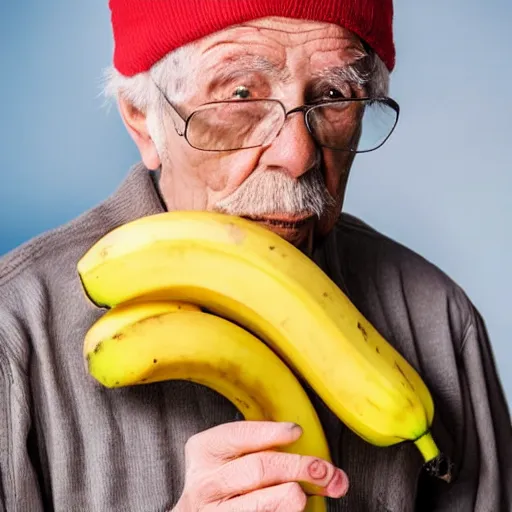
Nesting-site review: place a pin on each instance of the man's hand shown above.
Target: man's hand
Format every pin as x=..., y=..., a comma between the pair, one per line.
x=233, y=468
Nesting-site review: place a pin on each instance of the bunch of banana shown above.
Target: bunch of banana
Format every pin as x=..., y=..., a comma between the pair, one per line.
x=245, y=273
x=141, y=342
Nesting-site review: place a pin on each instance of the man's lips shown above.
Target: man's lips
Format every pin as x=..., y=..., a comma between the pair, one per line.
x=281, y=221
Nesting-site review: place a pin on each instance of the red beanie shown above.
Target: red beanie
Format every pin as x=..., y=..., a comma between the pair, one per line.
x=146, y=30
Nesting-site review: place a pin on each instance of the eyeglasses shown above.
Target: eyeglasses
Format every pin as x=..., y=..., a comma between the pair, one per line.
x=356, y=125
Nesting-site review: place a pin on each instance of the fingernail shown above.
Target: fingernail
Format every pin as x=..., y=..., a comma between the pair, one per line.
x=294, y=426
x=338, y=486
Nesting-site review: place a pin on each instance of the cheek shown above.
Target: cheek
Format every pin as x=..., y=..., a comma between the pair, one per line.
x=232, y=169
x=337, y=166
x=219, y=173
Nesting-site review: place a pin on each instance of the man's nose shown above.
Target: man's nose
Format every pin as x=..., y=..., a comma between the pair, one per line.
x=293, y=151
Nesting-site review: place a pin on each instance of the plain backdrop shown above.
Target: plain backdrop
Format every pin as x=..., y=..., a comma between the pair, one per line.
x=441, y=185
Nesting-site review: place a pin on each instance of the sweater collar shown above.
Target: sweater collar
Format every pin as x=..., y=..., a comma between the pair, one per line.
x=136, y=197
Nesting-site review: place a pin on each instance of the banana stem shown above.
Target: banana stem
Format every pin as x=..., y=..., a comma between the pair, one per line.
x=427, y=446
x=316, y=504
x=437, y=464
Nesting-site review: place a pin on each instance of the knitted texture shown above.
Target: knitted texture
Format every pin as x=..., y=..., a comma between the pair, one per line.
x=146, y=30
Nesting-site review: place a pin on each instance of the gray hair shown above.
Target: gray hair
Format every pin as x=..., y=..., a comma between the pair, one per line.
x=175, y=72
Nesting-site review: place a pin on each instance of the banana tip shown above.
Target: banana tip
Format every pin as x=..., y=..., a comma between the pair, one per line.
x=440, y=467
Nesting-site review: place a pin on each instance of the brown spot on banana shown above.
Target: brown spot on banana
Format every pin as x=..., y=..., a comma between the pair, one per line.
x=363, y=331
x=104, y=253
x=373, y=404
x=241, y=402
x=397, y=366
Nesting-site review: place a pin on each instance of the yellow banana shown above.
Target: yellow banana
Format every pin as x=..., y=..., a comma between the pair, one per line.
x=129, y=313
x=141, y=343
x=243, y=272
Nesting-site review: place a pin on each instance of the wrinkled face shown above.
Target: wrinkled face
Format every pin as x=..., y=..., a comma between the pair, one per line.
x=291, y=184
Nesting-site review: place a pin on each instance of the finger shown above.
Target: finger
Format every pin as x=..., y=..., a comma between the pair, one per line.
x=230, y=440
x=288, y=497
x=270, y=468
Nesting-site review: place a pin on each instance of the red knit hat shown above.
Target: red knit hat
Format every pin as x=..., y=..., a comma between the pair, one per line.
x=146, y=30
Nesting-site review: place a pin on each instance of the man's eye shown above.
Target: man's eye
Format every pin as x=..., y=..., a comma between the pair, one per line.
x=241, y=92
x=334, y=94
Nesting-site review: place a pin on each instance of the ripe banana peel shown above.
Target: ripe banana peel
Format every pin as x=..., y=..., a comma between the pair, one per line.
x=247, y=274
x=143, y=342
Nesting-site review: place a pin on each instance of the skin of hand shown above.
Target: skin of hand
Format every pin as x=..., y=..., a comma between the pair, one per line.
x=235, y=467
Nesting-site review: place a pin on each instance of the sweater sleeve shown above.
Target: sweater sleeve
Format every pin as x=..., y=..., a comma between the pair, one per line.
x=19, y=488
x=483, y=444
x=489, y=429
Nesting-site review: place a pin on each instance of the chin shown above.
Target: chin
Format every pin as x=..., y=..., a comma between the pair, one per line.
x=298, y=237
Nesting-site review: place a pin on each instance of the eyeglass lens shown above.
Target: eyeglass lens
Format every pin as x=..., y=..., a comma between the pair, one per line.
x=350, y=126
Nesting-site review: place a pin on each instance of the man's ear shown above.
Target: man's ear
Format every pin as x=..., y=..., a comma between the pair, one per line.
x=135, y=122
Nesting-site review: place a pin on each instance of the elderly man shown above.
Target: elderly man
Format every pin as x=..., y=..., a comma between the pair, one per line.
x=254, y=108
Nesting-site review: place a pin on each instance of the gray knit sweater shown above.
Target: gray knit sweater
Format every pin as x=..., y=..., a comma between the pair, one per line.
x=67, y=444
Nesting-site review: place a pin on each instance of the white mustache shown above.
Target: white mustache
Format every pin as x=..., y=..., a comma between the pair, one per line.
x=272, y=192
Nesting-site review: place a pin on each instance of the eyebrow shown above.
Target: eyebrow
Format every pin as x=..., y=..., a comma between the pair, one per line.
x=234, y=65
x=351, y=73
x=238, y=64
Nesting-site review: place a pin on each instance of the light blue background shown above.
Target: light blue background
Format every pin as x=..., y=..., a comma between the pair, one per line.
x=441, y=185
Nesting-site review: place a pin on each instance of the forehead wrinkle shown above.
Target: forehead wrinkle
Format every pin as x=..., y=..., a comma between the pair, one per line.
x=301, y=31
x=346, y=54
